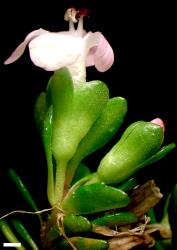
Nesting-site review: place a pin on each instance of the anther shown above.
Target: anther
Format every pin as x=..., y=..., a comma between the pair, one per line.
x=82, y=13
x=70, y=15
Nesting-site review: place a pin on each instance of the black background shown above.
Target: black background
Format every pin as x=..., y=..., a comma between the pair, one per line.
x=143, y=39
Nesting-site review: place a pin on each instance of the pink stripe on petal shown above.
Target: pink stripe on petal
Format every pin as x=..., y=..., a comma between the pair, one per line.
x=21, y=48
x=159, y=122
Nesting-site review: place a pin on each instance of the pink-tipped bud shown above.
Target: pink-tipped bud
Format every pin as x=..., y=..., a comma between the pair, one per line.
x=159, y=122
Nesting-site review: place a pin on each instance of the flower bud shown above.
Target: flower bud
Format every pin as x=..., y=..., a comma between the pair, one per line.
x=139, y=142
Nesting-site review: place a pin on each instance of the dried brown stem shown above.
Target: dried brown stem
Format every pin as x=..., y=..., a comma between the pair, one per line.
x=128, y=242
x=138, y=237
x=143, y=198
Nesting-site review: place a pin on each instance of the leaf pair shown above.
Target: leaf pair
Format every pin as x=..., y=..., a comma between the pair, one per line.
x=75, y=122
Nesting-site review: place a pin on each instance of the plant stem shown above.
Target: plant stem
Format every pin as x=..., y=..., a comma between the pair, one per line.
x=59, y=181
x=71, y=169
x=50, y=180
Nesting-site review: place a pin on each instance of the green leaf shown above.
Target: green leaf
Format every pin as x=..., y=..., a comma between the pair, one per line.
x=129, y=184
x=81, y=172
x=76, y=224
x=60, y=93
x=87, y=104
x=159, y=155
x=94, y=198
x=40, y=109
x=105, y=126
x=159, y=246
x=100, y=133
x=22, y=188
x=60, y=96
x=82, y=243
x=24, y=234
x=139, y=142
x=117, y=219
x=172, y=213
x=10, y=236
x=152, y=215
x=47, y=140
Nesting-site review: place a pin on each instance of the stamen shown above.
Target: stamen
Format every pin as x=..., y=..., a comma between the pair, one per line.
x=82, y=12
x=70, y=16
x=80, y=26
x=80, y=15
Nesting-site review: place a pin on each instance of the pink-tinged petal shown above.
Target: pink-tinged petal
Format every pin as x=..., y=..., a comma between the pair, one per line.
x=52, y=51
x=159, y=122
x=91, y=44
x=104, y=56
x=90, y=57
x=21, y=48
x=100, y=54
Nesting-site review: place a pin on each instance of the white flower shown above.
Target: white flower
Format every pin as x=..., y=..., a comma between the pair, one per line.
x=74, y=49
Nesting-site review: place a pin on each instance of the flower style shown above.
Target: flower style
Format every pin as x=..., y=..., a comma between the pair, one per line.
x=75, y=49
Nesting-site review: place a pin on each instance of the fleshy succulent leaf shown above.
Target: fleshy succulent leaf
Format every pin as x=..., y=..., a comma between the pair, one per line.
x=82, y=243
x=94, y=198
x=74, y=224
x=139, y=142
x=47, y=140
x=100, y=133
x=117, y=219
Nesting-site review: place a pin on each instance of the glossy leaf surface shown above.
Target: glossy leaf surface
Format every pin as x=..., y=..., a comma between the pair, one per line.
x=94, y=198
x=100, y=133
x=82, y=243
x=117, y=219
x=76, y=224
x=140, y=141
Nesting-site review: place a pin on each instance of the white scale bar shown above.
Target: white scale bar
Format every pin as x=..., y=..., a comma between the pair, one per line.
x=18, y=244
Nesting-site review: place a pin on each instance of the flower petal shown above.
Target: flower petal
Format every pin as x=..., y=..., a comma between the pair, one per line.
x=104, y=56
x=100, y=52
x=159, y=122
x=52, y=51
x=21, y=48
